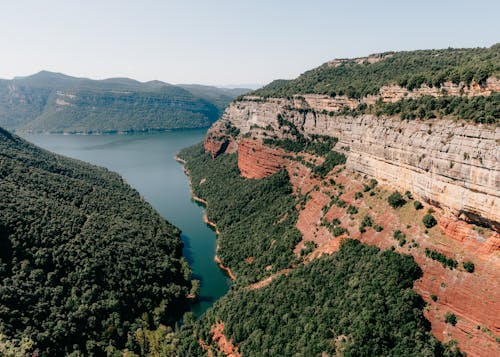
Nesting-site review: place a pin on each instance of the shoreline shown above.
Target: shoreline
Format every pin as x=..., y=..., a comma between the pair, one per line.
x=205, y=218
x=21, y=132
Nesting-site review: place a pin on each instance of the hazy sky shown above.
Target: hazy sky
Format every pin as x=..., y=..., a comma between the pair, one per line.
x=226, y=41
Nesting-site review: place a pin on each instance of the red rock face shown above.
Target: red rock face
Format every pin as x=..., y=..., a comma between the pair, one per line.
x=258, y=161
x=215, y=146
x=225, y=345
x=473, y=298
x=218, y=142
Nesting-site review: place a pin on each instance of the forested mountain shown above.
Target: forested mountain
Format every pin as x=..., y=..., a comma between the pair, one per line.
x=246, y=212
x=356, y=302
x=358, y=77
x=221, y=97
x=335, y=198
x=84, y=261
x=55, y=102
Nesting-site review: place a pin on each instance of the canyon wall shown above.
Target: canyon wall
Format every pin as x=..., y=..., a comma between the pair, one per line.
x=451, y=164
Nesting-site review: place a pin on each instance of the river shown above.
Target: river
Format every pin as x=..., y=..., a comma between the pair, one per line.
x=147, y=162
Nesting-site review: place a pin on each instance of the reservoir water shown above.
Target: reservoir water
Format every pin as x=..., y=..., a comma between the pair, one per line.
x=147, y=162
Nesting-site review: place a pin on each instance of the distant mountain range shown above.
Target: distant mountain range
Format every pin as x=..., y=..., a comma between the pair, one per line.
x=54, y=102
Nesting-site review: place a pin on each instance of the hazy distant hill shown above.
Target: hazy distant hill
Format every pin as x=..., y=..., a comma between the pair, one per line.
x=54, y=102
x=221, y=97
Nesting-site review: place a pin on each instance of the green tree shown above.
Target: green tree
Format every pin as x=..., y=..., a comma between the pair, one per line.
x=396, y=200
x=429, y=220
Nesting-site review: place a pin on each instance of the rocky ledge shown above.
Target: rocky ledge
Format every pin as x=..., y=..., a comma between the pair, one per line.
x=448, y=164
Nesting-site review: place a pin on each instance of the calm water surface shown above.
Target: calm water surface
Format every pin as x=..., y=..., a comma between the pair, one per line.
x=147, y=162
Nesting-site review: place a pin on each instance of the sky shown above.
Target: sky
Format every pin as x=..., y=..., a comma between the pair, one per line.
x=226, y=42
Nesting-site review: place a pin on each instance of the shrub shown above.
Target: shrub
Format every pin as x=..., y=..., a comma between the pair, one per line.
x=337, y=231
x=308, y=248
x=400, y=236
x=396, y=200
x=341, y=203
x=378, y=228
x=332, y=159
x=409, y=195
x=373, y=183
x=418, y=205
x=352, y=210
x=440, y=257
x=469, y=266
x=429, y=220
x=434, y=297
x=367, y=221
x=358, y=195
x=450, y=318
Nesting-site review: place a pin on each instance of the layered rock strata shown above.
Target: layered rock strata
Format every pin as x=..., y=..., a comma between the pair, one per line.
x=452, y=164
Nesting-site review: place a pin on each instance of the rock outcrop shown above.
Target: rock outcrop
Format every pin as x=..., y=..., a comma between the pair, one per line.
x=256, y=160
x=450, y=165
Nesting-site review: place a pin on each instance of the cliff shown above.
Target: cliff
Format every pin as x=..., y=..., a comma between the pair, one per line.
x=425, y=123
x=451, y=165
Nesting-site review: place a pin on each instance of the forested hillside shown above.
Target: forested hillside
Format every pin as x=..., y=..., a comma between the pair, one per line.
x=58, y=103
x=246, y=213
x=357, y=78
x=84, y=261
x=356, y=302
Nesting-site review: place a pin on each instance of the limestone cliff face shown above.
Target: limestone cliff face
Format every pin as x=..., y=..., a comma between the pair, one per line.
x=451, y=164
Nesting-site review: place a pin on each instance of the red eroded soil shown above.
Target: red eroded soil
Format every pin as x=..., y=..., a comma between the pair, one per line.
x=473, y=297
x=225, y=345
x=257, y=161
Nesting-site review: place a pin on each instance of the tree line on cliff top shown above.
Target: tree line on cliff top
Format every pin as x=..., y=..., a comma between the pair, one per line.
x=84, y=261
x=408, y=69
x=480, y=109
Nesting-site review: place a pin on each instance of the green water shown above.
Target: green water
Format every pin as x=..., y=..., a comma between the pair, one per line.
x=147, y=162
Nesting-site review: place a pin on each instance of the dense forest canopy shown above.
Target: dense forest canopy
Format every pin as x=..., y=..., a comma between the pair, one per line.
x=356, y=302
x=55, y=102
x=410, y=69
x=84, y=261
x=480, y=109
x=246, y=212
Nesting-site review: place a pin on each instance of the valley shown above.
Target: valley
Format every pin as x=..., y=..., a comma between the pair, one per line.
x=440, y=171
x=356, y=210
